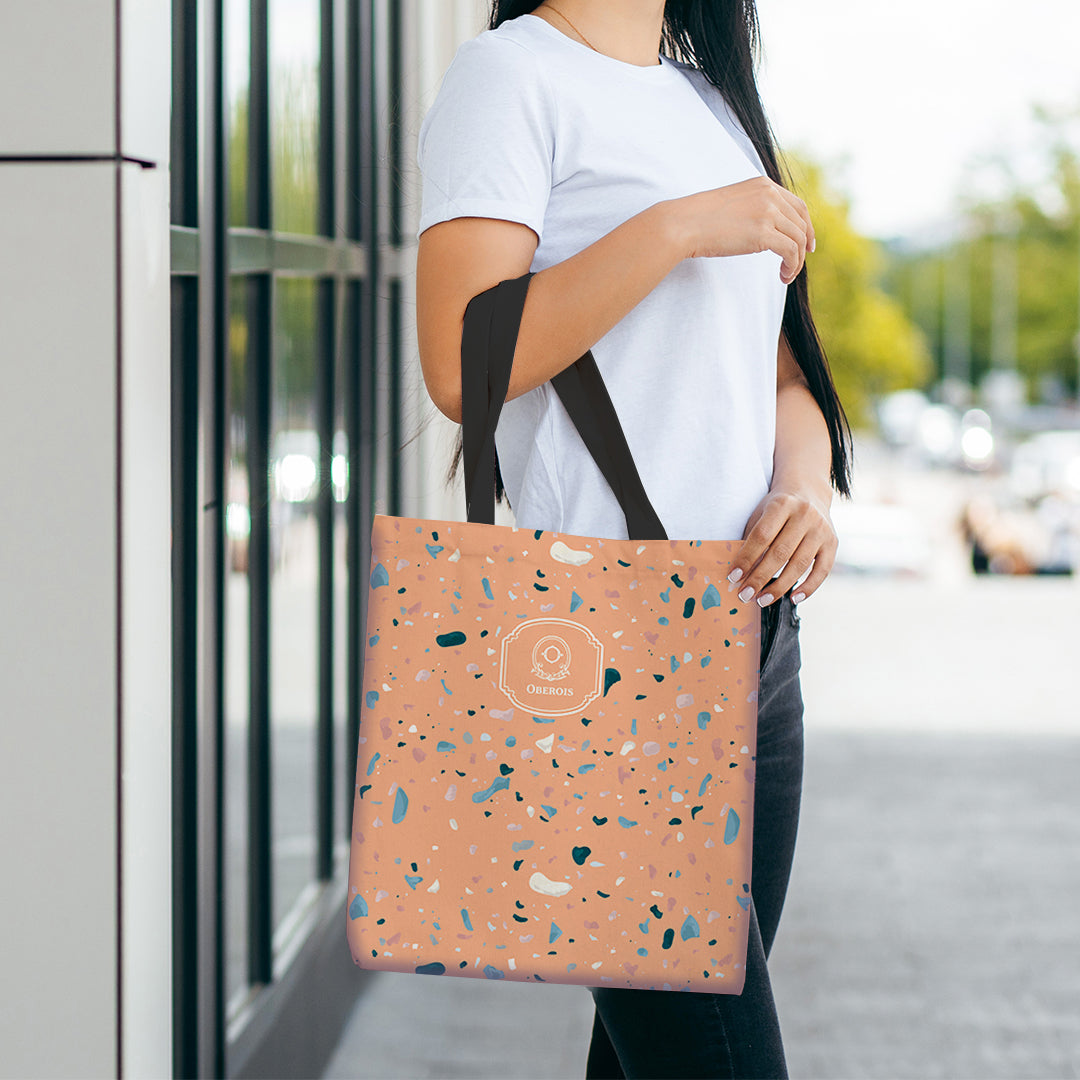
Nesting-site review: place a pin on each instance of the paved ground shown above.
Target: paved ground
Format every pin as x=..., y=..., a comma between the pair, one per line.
x=931, y=925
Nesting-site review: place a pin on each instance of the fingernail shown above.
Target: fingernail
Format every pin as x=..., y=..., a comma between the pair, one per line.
x=735, y=574
x=746, y=593
x=796, y=597
x=813, y=243
x=765, y=600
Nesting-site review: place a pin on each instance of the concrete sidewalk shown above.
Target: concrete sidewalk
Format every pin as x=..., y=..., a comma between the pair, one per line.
x=930, y=930
x=931, y=926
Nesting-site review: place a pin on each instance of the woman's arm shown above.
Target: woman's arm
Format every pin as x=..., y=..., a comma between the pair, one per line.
x=568, y=307
x=802, y=457
x=571, y=305
x=791, y=524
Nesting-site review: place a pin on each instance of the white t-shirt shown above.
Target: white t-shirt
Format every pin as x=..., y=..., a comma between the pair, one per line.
x=533, y=126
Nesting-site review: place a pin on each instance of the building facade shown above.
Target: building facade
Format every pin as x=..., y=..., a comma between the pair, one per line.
x=207, y=219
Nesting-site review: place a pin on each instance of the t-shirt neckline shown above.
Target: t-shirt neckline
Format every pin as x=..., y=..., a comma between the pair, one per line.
x=645, y=71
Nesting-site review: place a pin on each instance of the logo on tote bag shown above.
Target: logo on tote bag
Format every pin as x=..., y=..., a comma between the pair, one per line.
x=551, y=667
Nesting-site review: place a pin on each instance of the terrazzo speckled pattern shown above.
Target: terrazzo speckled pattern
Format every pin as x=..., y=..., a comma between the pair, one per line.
x=555, y=778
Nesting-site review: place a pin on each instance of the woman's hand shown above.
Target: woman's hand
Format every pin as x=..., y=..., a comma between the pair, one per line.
x=742, y=219
x=790, y=529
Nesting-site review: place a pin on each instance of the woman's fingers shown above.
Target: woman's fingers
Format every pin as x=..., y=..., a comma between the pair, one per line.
x=791, y=225
x=793, y=220
x=770, y=578
x=749, y=216
x=798, y=206
x=766, y=547
x=788, y=538
x=788, y=249
x=801, y=560
x=823, y=564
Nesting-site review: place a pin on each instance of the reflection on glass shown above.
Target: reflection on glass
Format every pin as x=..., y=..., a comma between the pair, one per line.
x=237, y=85
x=294, y=566
x=237, y=530
x=344, y=780
x=294, y=114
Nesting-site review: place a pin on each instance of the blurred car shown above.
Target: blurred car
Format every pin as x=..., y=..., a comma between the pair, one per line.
x=898, y=416
x=880, y=538
x=1046, y=462
x=939, y=434
x=1010, y=534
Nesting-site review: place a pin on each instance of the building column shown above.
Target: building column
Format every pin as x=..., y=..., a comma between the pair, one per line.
x=85, y=670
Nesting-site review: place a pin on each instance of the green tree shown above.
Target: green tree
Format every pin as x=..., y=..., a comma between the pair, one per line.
x=872, y=345
x=1034, y=229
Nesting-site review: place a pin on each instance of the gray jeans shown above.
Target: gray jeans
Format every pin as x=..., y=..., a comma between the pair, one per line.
x=662, y=1034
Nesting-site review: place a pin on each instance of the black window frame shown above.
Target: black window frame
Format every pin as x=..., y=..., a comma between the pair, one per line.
x=355, y=262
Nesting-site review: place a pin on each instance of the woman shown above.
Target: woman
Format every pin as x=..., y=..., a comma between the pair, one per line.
x=643, y=192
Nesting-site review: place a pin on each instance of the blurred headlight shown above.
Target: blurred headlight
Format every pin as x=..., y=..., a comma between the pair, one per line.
x=237, y=521
x=977, y=446
x=294, y=477
x=339, y=474
x=1072, y=474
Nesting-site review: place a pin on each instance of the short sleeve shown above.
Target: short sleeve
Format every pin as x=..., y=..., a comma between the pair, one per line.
x=486, y=144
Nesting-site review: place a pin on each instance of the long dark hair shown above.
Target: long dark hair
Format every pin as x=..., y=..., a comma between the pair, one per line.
x=722, y=39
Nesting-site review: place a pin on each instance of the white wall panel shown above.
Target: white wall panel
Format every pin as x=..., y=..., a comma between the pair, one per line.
x=58, y=76
x=85, y=439
x=146, y=622
x=145, y=79
x=58, y=642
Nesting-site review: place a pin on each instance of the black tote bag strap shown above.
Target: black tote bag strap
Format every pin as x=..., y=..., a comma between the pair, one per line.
x=584, y=395
x=488, y=340
x=489, y=337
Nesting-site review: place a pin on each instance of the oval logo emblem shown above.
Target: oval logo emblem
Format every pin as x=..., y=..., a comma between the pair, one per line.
x=551, y=667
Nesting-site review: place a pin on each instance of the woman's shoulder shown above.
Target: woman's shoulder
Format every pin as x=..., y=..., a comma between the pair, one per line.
x=486, y=145
x=506, y=48
x=492, y=67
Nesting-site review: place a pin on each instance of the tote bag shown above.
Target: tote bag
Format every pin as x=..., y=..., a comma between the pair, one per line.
x=555, y=772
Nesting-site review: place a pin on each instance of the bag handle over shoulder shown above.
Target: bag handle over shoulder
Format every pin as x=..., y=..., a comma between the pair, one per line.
x=489, y=337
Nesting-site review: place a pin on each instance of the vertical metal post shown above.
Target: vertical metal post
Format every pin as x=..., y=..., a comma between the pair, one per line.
x=395, y=90
x=184, y=327
x=393, y=393
x=361, y=340
x=260, y=312
x=958, y=324
x=1076, y=340
x=1004, y=303
x=213, y=308
x=326, y=305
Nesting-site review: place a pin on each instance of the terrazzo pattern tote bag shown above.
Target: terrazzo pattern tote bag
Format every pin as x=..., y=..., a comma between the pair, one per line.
x=555, y=777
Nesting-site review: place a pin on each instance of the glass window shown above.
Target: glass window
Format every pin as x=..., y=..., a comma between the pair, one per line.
x=294, y=114
x=344, y=779
x=266, y=454
x=236, y=648
x=237, y=87
x=294, y=579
